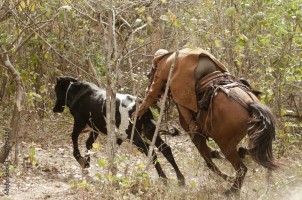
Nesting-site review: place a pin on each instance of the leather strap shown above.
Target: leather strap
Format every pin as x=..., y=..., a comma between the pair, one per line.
x=206, y=81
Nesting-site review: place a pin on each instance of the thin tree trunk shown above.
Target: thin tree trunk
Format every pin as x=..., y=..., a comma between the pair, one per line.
x=15, y=121
x=110, y=94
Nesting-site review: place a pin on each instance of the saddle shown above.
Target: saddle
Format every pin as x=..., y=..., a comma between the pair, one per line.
x=230, y=85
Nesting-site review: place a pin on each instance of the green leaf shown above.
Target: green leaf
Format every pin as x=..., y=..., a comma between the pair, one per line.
x=176, y=22
x=33, y=8
x=3, y=37
x=193, y=184
x=108, y=176
x=164, y=17
x=141, y=9
x=164, y=1
x=22, y=4
x=33, y=94
x=96, y=145
x=34, y=161
x=241, y=42
x=217, y=43
x=243, y=37
x=100, y=177
x=140, y=41
x=230, y=11
x=102, y=163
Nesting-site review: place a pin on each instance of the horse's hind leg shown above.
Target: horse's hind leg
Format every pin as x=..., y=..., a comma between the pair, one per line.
x=205, y=151
x=232, y=155
x=242, y=152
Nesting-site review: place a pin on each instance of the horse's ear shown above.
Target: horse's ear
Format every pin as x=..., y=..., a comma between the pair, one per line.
x=58, y=78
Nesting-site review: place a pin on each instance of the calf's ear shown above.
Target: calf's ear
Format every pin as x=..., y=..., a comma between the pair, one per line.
x=74, y=79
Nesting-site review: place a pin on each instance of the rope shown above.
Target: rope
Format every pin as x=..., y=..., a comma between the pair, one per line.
x=67, y=93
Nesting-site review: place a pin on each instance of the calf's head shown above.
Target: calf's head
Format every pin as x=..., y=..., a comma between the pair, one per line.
x=61, y=89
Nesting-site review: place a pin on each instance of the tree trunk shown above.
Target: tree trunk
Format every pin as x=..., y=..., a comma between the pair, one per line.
x=110, y=94
x=15, y=121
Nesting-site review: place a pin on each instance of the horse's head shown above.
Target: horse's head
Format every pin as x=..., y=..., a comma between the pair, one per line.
x=61, y=89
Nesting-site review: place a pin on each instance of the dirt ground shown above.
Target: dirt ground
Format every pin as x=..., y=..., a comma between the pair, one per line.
x=47, y=170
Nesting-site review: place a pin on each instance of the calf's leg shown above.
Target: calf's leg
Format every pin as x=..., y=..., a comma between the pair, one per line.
x=77, y=129
x=91, y=139
x=144, y=147
x=165, y=150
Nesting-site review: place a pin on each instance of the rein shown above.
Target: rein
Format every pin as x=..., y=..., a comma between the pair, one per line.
x=67, y=93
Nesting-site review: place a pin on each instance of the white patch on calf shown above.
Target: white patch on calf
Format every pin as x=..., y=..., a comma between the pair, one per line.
x=124, y=111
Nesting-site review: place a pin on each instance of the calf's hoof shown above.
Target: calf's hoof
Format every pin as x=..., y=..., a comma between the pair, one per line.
x=84, y=162
x=181, y=182
x=232, y=192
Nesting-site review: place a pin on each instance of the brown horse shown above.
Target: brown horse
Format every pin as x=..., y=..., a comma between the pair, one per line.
x=234, y=112
x=228, y=111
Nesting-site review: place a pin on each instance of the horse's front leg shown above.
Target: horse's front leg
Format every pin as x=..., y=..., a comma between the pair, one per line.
x=77, y=129
x=205, y=151
x=185, y=126
x=89, y=143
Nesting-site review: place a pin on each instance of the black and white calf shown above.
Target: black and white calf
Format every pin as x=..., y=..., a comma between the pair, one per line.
x=87, y=104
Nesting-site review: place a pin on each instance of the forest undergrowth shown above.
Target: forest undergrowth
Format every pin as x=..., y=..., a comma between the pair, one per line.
x=46, y=169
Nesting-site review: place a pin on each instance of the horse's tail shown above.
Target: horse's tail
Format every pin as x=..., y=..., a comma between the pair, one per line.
x=261, y=133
